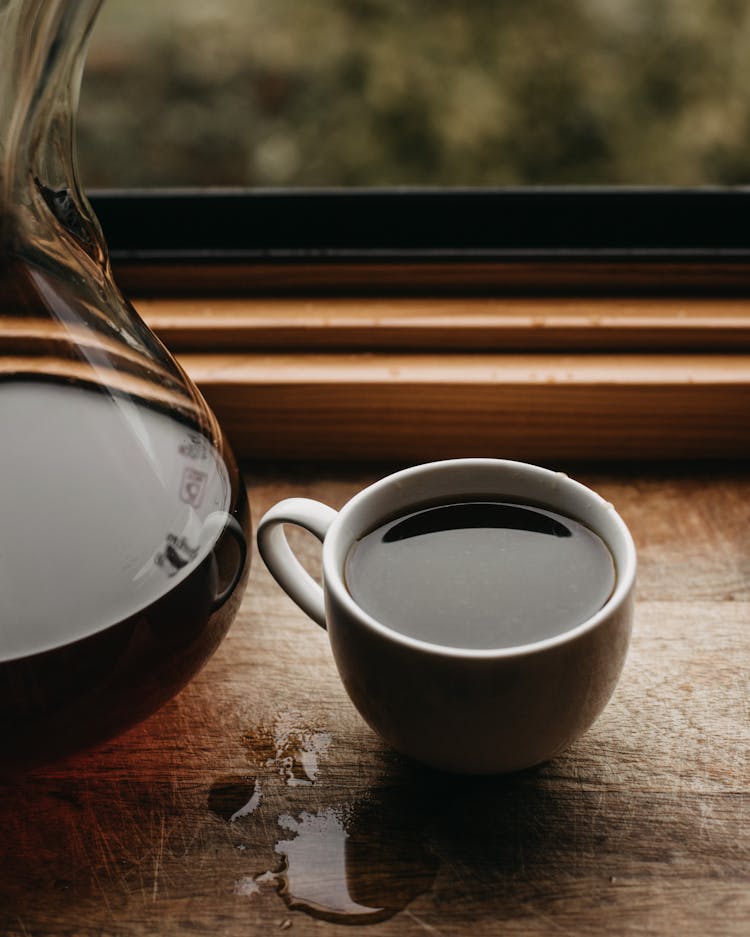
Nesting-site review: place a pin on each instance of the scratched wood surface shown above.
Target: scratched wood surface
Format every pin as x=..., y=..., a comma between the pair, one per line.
x=258, y=802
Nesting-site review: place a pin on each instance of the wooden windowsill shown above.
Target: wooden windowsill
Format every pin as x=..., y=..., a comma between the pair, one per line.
x=450, y=324
x=415, y=378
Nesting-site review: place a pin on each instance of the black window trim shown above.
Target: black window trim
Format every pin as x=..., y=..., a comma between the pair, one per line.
x=427, y=225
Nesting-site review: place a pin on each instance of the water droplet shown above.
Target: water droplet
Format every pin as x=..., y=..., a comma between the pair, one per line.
x=234, y=798
x=250, y=807
x=246, y=886
x=297, y=751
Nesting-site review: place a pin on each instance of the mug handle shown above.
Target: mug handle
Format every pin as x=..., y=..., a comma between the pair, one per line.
x=278, y=556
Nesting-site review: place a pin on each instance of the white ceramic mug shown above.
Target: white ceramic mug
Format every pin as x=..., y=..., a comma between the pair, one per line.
x=464, y=710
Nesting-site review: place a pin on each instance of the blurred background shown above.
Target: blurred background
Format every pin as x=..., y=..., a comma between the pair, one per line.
x=417, y=92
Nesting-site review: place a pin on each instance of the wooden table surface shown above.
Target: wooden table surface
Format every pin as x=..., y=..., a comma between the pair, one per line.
x=257, y=801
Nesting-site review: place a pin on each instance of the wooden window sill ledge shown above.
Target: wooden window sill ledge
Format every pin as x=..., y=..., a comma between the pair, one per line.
x=409, y=378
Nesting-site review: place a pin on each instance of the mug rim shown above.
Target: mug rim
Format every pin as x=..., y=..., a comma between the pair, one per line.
x=333, y=580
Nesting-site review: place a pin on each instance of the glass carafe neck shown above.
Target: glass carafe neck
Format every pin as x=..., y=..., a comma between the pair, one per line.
x=42, y=52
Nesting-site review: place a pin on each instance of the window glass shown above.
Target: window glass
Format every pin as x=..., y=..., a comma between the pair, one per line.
x=392, y=92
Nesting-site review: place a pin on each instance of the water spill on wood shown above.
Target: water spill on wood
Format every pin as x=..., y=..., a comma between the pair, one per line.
x=315, y=875
x=346, y=862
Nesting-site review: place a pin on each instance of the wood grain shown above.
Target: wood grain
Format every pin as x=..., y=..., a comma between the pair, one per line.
x=640, y=828
x=453, y=324
x=400, y=406
x=566, y=274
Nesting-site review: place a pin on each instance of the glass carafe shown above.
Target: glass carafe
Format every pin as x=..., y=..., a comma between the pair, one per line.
x=123, y=520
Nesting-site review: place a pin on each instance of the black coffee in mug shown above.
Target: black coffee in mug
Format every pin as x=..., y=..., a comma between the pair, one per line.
x=481, y=574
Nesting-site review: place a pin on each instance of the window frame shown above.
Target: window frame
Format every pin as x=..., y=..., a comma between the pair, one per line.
x=590, y=239
x=543, y=324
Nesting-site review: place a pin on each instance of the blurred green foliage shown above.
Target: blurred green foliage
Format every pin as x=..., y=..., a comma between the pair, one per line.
x=427, y=92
